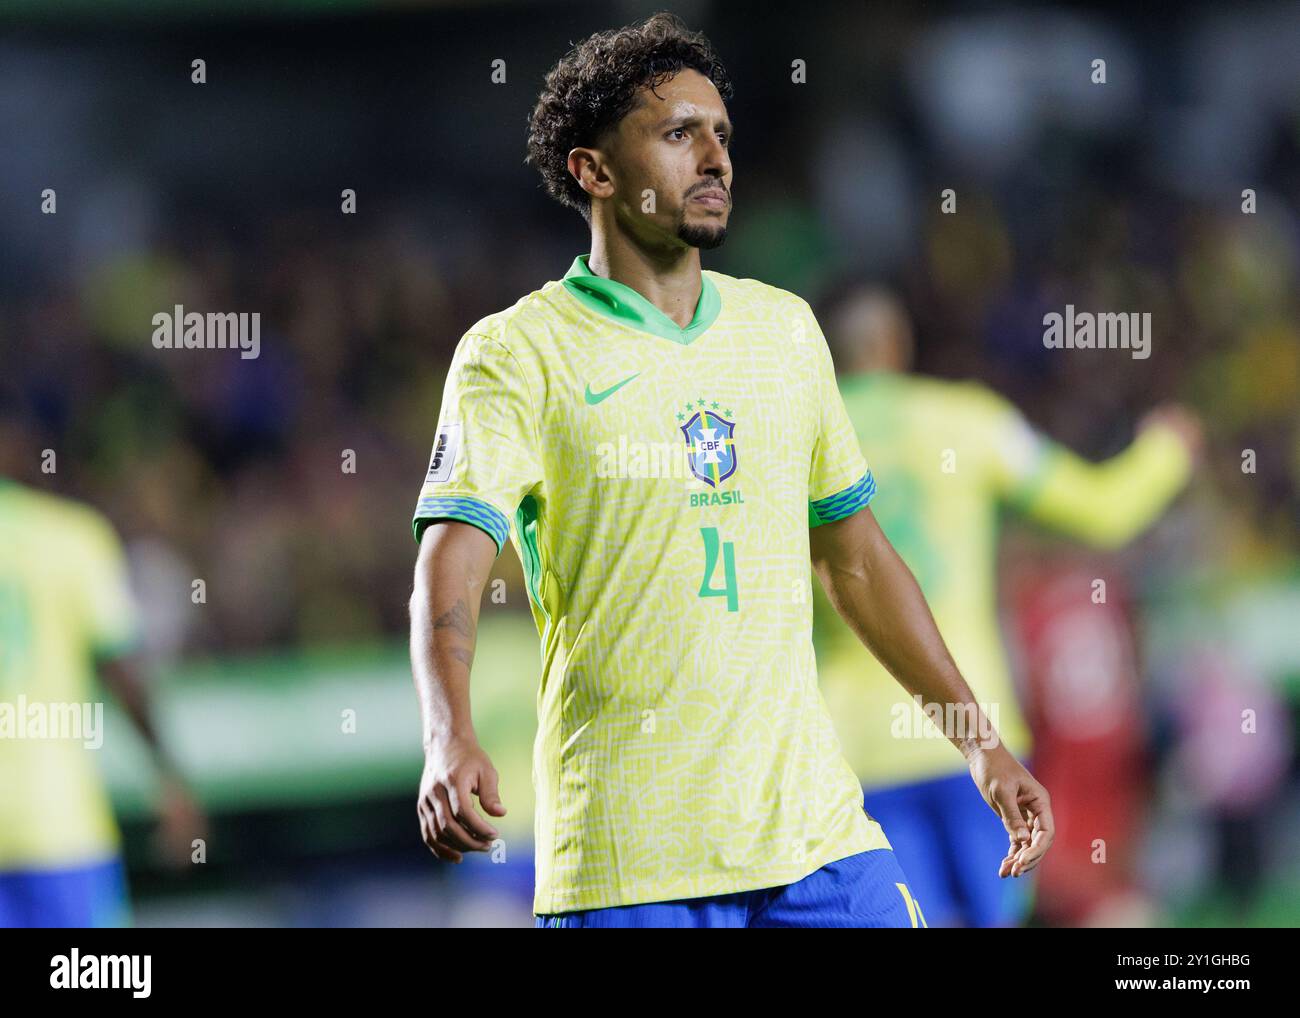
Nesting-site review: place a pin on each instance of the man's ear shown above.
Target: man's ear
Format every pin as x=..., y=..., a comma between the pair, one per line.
x=590, y=170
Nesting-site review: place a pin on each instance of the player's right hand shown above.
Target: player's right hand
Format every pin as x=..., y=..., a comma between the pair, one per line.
x=181, y=822
x=455, y=770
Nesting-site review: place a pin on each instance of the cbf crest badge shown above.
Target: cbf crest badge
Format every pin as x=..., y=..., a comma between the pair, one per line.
x=710, y=446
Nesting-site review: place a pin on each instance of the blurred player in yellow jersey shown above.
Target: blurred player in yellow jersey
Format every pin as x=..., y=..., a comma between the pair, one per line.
x=66, y=611
x=949, y=456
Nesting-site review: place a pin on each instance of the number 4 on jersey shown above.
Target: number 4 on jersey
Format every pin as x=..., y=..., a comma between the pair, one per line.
x=730, y=592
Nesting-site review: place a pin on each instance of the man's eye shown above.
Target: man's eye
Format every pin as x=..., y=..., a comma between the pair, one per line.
x=722, y=135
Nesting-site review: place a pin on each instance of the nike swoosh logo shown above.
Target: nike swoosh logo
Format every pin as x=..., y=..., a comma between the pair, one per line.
x=595, y=397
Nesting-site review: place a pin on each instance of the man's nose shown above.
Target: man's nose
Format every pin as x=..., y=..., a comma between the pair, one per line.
x=715, y=161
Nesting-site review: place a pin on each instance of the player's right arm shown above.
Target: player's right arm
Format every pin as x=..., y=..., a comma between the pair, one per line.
x=450, y=574
x=485, y=461
x=110, y=617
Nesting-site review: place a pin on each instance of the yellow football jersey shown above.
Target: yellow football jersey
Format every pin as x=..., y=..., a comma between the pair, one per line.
x=64, y=599
x=658, y=483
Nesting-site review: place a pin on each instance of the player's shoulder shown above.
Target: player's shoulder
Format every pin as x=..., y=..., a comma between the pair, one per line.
x=526, y=324
x=537, y=307
x=974, y=401
x=52, y=518
x=755, y=291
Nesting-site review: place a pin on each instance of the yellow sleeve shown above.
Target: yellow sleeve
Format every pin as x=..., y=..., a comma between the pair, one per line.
x=1107, y=504
x=1015, y=453
x=839, y=481
x=485, y=457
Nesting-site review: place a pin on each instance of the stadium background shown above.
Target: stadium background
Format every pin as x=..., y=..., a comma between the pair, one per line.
x=226, y=195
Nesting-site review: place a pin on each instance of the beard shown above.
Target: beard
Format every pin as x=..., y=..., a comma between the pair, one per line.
x=704, y=236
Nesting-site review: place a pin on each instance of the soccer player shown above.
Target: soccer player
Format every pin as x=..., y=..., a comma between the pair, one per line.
x=954, y=454
x=667, y=450
x=65, y=612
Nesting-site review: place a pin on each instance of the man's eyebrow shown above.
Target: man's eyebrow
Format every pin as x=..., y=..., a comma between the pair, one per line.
x=684, y=119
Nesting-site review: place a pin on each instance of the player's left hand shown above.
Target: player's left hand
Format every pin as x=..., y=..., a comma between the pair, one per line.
x=1021, y=802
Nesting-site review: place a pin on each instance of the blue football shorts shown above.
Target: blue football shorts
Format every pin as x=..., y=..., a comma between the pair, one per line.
x=863, y=890
x=84, y=897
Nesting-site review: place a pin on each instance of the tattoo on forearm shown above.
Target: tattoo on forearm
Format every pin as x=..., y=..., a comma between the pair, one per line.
x=457, y=618
x=463, y=655
x=459, y=621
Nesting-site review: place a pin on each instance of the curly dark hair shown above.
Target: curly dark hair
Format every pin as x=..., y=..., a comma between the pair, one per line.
x=594, y=86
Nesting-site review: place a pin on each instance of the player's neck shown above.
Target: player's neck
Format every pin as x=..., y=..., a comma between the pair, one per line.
x=671, y=282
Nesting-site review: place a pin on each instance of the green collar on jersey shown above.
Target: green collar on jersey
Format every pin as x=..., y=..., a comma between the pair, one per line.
x=623, y=304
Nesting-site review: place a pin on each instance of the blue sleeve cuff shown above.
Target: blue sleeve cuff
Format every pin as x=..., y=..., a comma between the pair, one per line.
x=467, y=510
x=843, y=503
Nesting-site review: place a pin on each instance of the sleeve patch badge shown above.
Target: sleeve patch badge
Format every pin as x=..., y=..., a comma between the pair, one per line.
x=445, y=447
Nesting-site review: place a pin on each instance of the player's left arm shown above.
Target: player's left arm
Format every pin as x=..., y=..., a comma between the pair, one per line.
x=878, y=597
x=875, y=592
x=1104, y=504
